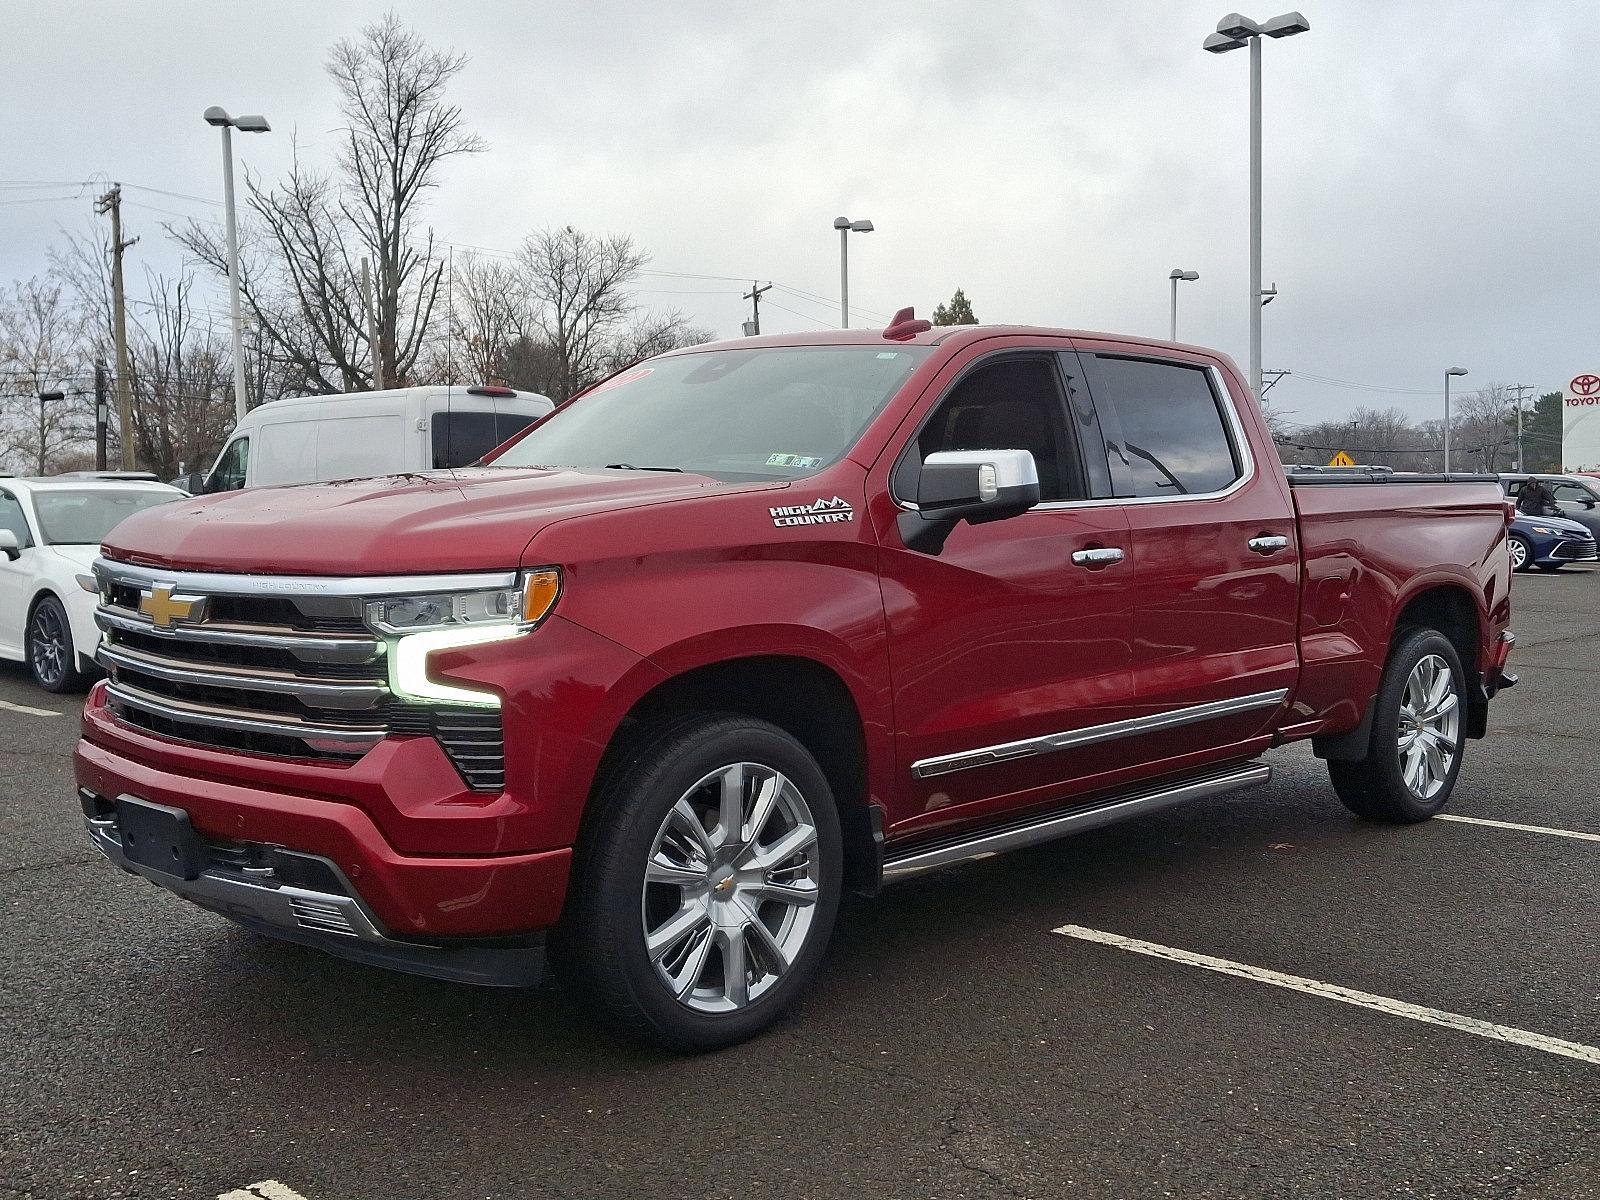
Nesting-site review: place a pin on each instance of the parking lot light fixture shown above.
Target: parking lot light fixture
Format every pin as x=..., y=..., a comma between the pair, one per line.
x=1177, y=274
x=255, y=123
x=1449, y=371
x=1234, y=32
x=846, y=227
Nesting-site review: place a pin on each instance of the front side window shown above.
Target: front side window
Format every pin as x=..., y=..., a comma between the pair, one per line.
x=12, y=518
x=1010, y=404
x=1572, y=493
x=231, y=468
x=777, y=412
x=83, y=518
x=1174, y=439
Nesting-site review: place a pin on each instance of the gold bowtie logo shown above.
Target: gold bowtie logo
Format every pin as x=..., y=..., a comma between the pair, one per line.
x=163, y=608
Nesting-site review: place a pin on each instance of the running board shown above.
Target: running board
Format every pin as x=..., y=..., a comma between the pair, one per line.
x=1048, y=826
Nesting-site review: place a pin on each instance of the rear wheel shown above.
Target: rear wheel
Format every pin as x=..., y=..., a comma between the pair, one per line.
x=51, y=655
x=1521, y=553
x=1414, y=755
x=709, y=887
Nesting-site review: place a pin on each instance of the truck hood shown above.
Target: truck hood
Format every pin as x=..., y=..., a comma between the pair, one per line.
x=469, y=520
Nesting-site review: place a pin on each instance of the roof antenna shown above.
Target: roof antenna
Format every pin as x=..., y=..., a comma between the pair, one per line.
x=904, y=326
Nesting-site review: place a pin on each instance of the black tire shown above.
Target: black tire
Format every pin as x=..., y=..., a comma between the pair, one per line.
x=1518, y=542
x=52, y=658
x=603, y=939
x=1375, y=786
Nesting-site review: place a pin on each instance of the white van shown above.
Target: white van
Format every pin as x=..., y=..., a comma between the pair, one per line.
x=314, y=439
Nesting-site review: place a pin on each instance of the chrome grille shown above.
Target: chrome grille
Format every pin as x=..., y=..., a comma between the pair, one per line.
x=272, y=665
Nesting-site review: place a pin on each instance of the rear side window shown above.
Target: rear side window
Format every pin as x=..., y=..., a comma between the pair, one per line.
x=462, y=438
x=1174, y=441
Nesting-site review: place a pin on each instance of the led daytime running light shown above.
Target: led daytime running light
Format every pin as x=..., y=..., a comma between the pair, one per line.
x=408, y=663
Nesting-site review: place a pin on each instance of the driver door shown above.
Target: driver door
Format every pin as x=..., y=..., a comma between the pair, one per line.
x=1009, y=635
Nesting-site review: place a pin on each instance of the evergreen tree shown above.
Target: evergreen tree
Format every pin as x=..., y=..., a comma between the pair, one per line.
x=957, y=312
x=1541, y=434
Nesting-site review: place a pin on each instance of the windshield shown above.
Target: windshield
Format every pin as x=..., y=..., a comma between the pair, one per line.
x=767, y=413
x=83, y=518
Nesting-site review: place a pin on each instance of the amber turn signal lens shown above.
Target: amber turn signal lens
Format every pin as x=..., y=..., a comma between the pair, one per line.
x=539, y=592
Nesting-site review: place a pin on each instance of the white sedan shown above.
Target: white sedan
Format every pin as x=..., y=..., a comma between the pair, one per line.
x=50, y=532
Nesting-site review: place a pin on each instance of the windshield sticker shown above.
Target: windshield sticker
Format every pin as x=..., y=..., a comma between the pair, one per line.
x=820, y=512
x=803, y=461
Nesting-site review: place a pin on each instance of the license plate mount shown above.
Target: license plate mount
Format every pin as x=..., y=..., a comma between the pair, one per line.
x=160, y=838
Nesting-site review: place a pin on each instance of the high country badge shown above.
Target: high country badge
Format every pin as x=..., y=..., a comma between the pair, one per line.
x=819, y=512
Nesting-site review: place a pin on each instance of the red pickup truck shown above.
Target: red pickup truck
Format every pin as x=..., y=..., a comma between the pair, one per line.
x=756, y=623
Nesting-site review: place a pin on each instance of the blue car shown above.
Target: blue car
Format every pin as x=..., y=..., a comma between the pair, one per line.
x=1549, y=543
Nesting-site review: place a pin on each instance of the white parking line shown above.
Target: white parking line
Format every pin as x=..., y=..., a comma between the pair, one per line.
x=267, y=1189
x=32, y=712
x=1331, y=991
x=1567, y=833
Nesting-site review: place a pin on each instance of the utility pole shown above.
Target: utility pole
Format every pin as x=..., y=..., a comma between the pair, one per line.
x=111, y=203
x=1519, y=388
x=752, y=327
x=368, y=303
x=100, y=416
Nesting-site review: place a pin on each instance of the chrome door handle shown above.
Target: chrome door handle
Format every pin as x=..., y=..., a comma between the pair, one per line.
x=1268, y=545
x=1100, y=556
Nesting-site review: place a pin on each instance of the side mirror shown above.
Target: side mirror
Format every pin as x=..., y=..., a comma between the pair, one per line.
x=194, y=482
x=9, y=546
x=976, y=486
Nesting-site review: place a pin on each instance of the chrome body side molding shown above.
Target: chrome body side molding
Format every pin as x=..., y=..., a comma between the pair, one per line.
x=1049, y=826
x=1092, y=735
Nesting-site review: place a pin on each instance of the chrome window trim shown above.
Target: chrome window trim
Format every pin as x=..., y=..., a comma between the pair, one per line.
x=213, y=583
x=1092, y=735
x=1232, y=425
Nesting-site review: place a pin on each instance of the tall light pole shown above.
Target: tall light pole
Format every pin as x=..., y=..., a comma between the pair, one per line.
x=254, y=124
x=1449, y=371
x=1234, y=32
x=846, y=227
x=1177, y=274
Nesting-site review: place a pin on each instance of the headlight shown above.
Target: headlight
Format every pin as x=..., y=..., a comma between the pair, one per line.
x=1541, y=529
x=416, y=626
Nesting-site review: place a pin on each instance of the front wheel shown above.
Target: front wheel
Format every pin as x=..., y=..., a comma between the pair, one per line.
x=1414, y=755
x=51, y=655
x=708, y=887
x=1521, y=553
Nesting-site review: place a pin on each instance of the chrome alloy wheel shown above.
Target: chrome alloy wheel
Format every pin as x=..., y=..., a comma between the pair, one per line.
x=731, y=887
x=47, y=645
x=1430, y=727
x=1519, y=554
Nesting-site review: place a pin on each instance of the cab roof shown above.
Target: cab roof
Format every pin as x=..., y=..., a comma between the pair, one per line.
x=953, y=336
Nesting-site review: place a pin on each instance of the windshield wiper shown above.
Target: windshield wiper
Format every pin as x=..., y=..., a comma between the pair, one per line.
x=631, y=467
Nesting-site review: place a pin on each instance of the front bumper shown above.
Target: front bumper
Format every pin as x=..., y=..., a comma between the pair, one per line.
x=306, y=898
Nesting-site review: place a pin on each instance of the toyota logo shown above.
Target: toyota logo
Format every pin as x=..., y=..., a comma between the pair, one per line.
x=1585, y=385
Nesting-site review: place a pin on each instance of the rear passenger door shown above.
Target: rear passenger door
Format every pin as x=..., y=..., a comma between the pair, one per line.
x=1216, y=591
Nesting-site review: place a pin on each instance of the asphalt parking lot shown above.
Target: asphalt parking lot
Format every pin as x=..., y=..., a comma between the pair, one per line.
x=955, y=1045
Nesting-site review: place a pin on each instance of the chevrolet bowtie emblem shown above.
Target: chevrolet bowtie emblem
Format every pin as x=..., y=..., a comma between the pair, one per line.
x=163, y=608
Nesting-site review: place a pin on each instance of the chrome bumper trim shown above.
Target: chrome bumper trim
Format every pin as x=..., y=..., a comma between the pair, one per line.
x=318, y=694
x=174, y=710
x=1093, y=735
x=282, y=907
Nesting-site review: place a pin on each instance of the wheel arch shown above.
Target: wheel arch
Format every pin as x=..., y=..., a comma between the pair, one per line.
x=803, y=696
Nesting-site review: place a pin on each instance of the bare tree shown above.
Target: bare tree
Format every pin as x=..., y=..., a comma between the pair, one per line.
x=40, y=340
x=301, y=275
x=491, y=311
x=1483, y=431
x=182, y=381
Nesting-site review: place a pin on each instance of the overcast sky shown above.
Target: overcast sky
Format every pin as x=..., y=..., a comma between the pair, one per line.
x=1432, y=170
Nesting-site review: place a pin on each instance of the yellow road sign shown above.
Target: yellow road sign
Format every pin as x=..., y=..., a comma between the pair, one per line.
x=1341, y=459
